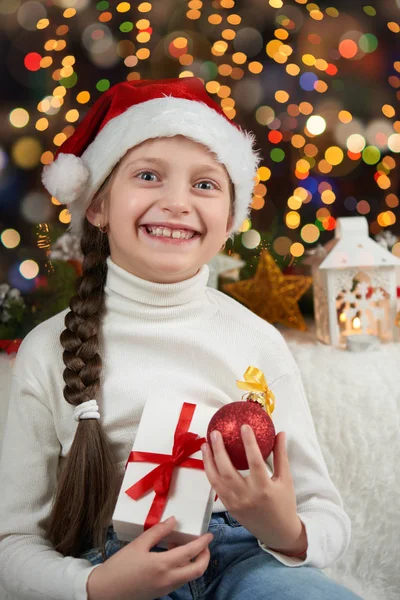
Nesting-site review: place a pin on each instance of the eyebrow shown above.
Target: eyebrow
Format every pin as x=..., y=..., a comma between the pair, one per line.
x=160, y=161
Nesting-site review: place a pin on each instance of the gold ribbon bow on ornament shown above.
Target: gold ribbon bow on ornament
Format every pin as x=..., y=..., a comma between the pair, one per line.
x=258, y=388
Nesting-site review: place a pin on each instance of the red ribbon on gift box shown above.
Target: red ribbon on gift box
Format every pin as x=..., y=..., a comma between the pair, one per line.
x=159, y=479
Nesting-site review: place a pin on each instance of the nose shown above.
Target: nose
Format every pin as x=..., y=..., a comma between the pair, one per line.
x=176, y=199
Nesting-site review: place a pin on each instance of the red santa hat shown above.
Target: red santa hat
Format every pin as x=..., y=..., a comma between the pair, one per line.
x=134, y=111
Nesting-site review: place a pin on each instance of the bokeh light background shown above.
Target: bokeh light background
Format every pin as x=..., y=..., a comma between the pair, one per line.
x=318, y=83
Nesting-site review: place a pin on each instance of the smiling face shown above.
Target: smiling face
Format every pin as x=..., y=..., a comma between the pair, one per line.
x=166, y=181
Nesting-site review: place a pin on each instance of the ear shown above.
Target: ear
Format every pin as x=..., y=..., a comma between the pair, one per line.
x=94, y=217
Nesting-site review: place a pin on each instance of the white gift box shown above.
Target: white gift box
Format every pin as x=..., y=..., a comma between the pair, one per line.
x=190, y=499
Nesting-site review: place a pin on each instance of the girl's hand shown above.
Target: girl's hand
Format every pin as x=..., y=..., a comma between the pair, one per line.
x=263, y=505
x=135, y=572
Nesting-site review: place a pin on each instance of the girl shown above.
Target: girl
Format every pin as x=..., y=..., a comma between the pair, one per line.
x=157, y=178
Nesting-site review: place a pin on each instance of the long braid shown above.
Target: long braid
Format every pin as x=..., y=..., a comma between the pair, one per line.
x=87, y=488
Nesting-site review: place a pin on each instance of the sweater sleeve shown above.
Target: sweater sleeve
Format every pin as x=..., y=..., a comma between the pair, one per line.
x=30, y=568
x=319, y=504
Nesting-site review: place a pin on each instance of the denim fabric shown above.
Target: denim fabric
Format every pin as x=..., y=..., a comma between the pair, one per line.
x=239, y=569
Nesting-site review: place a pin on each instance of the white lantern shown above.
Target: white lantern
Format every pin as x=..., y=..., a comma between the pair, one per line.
x=355, y=287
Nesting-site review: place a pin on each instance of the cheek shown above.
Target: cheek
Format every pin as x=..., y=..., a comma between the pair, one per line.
x=125, y=207
x=122, y=218
x=216, y=218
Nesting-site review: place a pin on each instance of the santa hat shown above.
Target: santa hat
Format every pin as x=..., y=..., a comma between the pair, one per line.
x=134, y=111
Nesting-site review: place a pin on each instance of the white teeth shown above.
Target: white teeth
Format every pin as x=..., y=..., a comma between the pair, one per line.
x=166, y=232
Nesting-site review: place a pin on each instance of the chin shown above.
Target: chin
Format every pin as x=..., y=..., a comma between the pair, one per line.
x=177, y=272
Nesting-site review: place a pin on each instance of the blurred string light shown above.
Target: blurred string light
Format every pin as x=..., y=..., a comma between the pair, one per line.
x=280, y=49
x=19, y=117
x=29, y=269
x=10, y=238
x=367, y=144
x=104, y=51
x=123, y=33
x=36, y=208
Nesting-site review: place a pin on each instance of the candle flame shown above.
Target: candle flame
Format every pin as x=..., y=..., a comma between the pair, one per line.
x=356, y=323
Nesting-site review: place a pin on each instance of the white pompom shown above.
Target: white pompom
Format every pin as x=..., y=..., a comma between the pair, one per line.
x=66, y=178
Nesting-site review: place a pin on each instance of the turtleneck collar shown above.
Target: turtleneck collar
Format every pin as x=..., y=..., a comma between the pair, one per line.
x=152, y=301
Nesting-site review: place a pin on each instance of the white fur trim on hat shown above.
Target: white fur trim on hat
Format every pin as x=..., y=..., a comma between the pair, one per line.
x=66, y=178
x=161, y=117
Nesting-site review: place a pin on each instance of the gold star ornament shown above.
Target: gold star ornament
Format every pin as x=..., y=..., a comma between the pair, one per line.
x=272, y=295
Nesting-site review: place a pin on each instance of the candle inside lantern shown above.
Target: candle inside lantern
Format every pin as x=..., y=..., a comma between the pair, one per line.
x=357, y=340
x=360, y=342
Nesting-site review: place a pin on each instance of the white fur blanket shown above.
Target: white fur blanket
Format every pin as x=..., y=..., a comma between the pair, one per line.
x=355, y=402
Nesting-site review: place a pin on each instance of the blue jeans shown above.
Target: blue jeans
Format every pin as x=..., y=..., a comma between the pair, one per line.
x=239, y=569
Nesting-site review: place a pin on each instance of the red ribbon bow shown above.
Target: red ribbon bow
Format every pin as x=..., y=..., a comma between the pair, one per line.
x=159, y=479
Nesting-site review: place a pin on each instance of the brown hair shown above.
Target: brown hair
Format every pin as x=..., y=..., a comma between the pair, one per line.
x=89, y=483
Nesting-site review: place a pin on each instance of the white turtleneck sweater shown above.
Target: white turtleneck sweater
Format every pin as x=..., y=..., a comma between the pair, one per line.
x=181, y=339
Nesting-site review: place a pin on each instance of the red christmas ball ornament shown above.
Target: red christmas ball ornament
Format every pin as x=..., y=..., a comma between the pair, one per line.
x=255, y=411
x=229, y=419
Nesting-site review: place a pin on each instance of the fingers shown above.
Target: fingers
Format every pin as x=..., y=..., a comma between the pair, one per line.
x=253, y=453
x=182, y=563
x=155, y=534
x=182, y=555
x=194, y=569
x=222, y=461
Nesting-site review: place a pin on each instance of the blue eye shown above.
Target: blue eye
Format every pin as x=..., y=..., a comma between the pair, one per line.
x=146, y=173
x=208, y=182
